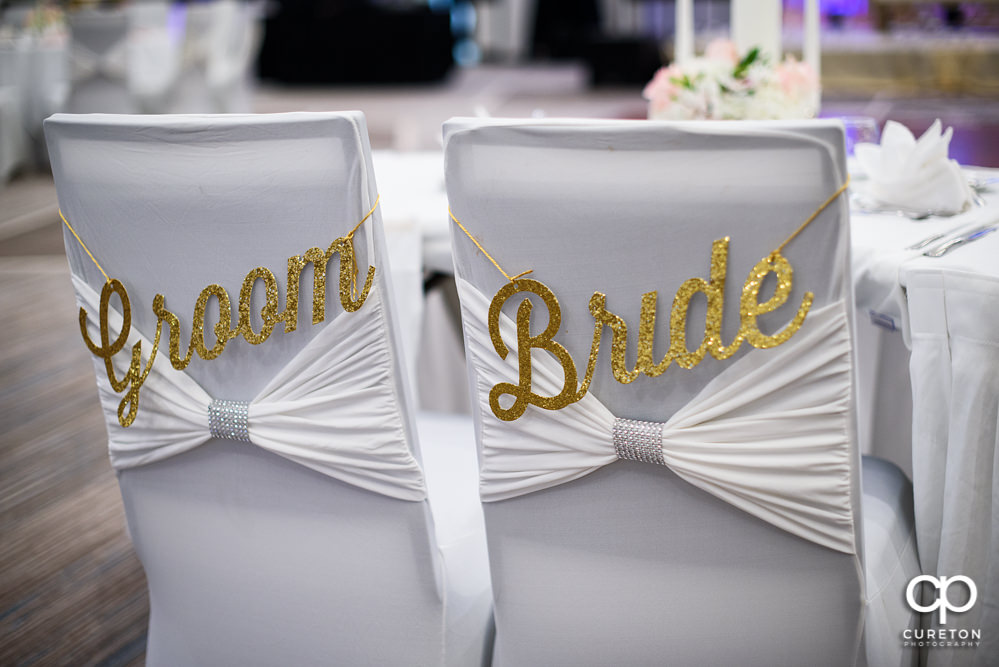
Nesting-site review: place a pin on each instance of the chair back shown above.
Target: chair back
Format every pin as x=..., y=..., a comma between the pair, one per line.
x=235, y=42
x=192, y=94
x=701, y=560
x=155, y=47
x=98, y=62
x=314, y=544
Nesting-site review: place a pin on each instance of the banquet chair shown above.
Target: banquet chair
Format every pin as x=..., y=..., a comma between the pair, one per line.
x=13, y=139
x=98, y=62
x=191, y=93
x=235, y=41
x=281, y=504
x=155, y=40
x=717, y=513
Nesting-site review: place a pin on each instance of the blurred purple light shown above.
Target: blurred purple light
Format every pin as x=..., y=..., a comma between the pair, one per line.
x=833, y=7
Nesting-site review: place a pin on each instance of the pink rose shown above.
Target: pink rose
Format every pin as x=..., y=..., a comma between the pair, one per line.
x=723, y=50
x=661, y=90
x=796, y=78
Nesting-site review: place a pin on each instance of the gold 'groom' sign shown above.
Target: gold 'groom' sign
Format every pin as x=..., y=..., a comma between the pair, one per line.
x=136, y=374
x=572, y=391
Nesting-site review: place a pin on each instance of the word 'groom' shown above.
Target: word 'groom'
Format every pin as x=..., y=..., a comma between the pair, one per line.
x=136, y=374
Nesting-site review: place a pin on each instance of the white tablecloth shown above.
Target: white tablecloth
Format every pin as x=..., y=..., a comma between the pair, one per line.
x=880, y=262
x=945, y=432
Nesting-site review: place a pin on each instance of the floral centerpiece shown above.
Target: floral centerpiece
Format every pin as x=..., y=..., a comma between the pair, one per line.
x=44, y=23
x=724, y=84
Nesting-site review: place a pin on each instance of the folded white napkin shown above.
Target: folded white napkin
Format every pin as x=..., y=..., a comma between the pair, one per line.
x=913, y=174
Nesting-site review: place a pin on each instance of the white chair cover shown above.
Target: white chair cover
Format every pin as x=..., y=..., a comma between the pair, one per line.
x=155, y=42
x=13, y=139
x=316, y=543
x=235, y=41
x=33, y=85
x=49, y=84
x=98, y=62
x=192, y=94
x=675, y=557
x=954, y=325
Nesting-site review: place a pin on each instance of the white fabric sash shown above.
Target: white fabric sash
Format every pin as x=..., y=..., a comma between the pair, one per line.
x=769, y=434
x=332, y=408
x=86, y=64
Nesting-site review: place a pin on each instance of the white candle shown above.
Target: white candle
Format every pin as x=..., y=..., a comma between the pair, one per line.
x=812, y=46
x=683, y=39
x=757, y=23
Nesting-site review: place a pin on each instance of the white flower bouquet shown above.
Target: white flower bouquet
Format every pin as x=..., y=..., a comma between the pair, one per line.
x=722, y=84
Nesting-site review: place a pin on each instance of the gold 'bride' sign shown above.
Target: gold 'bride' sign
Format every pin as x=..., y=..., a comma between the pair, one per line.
x=750, y=308
x=136, y=374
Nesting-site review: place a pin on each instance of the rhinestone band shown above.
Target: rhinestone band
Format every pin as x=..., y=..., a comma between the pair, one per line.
x=228, y=420
x=639, y=441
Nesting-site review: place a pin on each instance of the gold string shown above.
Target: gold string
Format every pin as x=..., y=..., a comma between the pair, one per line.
x=84, y=246
x=814, y=215
x=350, y=237
x=350, y=234
x=488, y=256
x=353, y=256
x=790, y=238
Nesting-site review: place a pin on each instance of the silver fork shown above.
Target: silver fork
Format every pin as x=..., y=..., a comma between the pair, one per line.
x=919, y=245
x=967, y=237
x=963, y=228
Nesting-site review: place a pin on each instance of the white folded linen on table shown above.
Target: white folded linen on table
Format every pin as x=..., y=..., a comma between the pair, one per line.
x=914, y=174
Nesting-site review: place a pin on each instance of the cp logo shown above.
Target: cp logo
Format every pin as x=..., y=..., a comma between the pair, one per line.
x=942, y=601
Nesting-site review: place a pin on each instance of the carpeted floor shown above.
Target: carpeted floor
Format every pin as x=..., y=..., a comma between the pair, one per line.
x=72, y=591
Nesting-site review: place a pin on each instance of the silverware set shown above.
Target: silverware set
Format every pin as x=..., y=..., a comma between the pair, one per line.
x=941, y=243
x=861, y=203
x=938, y=245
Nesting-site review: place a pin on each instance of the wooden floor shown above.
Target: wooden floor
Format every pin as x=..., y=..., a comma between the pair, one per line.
x=71, y=589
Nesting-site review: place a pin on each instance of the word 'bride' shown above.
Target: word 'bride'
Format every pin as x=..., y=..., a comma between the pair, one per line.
x=714, y=289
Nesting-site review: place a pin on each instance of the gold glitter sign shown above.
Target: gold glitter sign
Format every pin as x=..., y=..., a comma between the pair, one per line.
x=223, y=330
x=750, y=308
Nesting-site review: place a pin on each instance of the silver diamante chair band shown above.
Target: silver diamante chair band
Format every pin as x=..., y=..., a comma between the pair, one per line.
x=639, y=441
x=228, y=420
